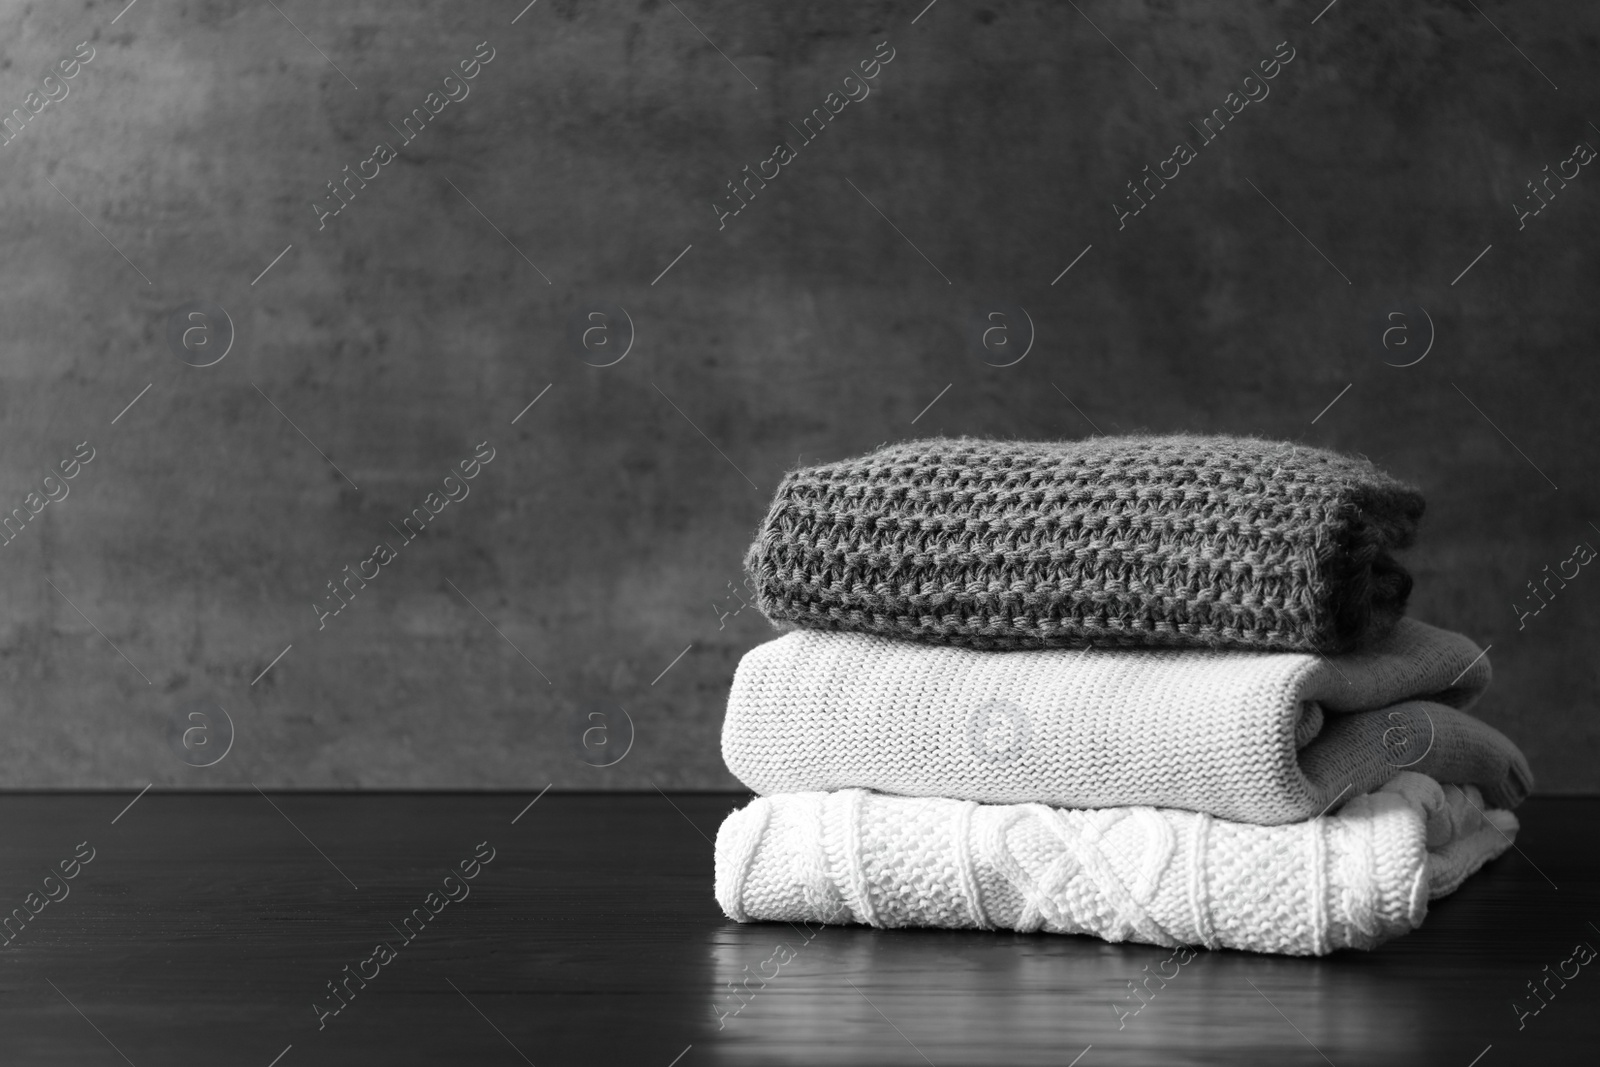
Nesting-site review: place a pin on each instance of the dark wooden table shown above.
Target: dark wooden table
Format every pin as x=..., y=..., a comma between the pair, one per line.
x=207, y=926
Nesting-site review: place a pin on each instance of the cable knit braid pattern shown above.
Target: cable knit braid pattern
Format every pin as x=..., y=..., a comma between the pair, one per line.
x=1351, y=880
x=1178, y=540
x=1264, y=738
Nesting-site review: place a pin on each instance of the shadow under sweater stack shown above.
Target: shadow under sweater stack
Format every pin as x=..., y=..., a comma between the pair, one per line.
x=1158, y=689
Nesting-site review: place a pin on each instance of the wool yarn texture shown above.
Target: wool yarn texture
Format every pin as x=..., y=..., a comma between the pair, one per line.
x=1350, y=880
x=1266, y=738
x=1172, y=540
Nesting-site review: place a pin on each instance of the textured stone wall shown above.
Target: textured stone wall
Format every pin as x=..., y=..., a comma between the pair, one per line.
x=583, y=168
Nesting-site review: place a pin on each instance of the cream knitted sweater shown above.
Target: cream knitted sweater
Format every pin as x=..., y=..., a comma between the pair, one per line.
x=1260, y=737
x=1162, y=877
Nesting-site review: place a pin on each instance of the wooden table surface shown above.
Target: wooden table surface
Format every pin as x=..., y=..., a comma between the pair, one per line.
x=206, y=927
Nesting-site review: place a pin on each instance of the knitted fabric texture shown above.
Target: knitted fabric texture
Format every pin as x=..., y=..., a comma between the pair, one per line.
x=1258, y=737
x=1180, y=540
x=1352, y=880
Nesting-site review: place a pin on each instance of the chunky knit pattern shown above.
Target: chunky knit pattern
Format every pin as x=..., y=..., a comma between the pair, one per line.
x=1180, y=540
x=1258, y=737
x=1352, y=880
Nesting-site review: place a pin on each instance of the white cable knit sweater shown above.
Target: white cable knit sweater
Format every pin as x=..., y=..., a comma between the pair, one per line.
x=1259, y=737
x=1353, y=880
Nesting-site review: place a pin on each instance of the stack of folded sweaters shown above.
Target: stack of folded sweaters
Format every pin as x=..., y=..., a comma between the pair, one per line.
x=1157, y=689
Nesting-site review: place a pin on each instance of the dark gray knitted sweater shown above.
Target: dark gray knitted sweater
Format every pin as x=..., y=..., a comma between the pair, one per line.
x=1180, y=540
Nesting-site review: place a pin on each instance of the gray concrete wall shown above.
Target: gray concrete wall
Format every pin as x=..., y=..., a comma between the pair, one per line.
x=600, y=541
